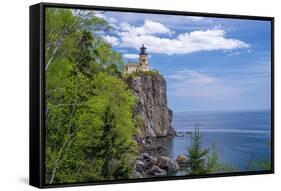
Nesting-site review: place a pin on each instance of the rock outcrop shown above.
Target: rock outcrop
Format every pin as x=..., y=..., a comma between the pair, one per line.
x=151, y=94
x=167, y=163
x=150, y=166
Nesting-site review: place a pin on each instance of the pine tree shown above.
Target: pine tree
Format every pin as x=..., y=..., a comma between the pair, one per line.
x=84, y=61
x=200, y=160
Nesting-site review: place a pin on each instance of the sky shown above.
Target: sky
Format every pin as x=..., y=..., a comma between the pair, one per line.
x=209, y=63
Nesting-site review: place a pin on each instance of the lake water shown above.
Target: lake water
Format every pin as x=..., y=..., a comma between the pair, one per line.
x=239, y=136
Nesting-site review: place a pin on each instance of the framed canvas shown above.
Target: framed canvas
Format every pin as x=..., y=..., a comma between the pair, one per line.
x=121, y=95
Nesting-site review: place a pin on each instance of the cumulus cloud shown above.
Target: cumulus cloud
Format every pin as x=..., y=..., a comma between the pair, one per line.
x=112, y=21
x=131, y=56
x=148, y=28
x=158, y=39
x=111, y=40
x=183, y=44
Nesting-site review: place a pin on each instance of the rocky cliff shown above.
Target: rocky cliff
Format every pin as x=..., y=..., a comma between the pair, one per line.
x=150, y=91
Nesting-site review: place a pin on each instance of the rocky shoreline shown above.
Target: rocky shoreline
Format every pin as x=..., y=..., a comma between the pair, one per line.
x=154, y=122
x=153, y=161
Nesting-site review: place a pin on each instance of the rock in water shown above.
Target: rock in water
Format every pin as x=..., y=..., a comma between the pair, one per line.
x=182, y=159
x=168, y=163
x=151, y=94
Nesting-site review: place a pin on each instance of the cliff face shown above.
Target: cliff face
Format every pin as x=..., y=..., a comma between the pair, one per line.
x=150, y=90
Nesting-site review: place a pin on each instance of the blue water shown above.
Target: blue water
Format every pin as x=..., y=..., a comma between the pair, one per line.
x=240, y=136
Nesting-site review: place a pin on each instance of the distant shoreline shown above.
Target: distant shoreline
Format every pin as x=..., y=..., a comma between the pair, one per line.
x=220, y=111
x=189, y=131
x=248, y=122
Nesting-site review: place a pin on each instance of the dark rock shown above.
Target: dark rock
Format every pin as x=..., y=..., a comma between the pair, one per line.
x=155, y=149
x=150, y=147
x=148, y=165
x=156, y=171
x=171, y=131
x=151, y=94
x=139, y=166
x=148, y=141
x=159, y=148
x=138, y=139
x=167, y=163
x=153, y=160
x=145, y=156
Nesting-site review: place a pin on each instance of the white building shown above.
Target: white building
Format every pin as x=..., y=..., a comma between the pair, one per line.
x=142, y=65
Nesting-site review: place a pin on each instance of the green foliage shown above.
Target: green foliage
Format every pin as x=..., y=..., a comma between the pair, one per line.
x=139, y=123
x=63, y=27
x=107, y=56
x=256, y=165
x=201, y=162
x=82, y=56
x=152, y=72
x=89, y=124
x=225, y=168
x=141, y=73
x=260, y=164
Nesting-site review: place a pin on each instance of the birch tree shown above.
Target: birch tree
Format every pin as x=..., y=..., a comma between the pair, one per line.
x=64, y=26
x=86, y=103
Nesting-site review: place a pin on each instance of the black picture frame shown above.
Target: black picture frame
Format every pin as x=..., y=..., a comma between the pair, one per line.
x=37, y=87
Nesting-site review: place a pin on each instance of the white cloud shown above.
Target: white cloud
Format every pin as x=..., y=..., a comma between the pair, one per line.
x=160, y=39
x=194, y=18
x=131, y=56
x=191, y=77
x=191, y=83
x=111, y=40
x=151, y=34
x=148, y=28
x=112, y=20
x=238, y=53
